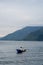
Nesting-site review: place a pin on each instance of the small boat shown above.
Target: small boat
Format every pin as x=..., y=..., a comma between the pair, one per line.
x=20, y=51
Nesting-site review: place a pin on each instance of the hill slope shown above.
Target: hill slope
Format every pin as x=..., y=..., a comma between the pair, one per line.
x=22, y=34
x=35, y=36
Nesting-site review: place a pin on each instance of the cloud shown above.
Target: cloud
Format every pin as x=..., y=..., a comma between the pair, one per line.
x=20, y=13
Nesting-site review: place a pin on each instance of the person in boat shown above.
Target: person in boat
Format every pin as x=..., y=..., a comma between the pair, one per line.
x=21, y=48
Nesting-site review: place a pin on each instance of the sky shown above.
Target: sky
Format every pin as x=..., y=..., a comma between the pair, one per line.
x=16, y=14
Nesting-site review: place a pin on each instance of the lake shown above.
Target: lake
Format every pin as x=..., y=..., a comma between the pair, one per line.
x=33, y=55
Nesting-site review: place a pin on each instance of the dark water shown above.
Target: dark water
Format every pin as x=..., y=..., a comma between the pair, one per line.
x=33, y=55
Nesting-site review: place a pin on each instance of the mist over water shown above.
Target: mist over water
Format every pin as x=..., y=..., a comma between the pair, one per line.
x=32, y=56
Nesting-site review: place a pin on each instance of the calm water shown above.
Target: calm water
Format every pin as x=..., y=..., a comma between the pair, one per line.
x=33, y=55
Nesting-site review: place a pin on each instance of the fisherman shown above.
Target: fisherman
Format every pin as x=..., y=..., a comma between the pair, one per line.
x=21, y=48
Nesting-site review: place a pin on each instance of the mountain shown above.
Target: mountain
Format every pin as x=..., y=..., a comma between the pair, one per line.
x=35, y=36
x=22, y=34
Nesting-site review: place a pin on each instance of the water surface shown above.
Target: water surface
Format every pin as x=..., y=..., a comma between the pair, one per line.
x=33, y=55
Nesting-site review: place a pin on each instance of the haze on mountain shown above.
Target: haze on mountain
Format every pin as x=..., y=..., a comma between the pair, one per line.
x=30, y=33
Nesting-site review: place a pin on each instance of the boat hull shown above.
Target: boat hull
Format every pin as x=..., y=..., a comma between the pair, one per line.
x=20, y=51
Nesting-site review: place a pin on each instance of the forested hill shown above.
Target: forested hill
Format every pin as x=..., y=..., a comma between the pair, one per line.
x=35, y=36
x=29, y=33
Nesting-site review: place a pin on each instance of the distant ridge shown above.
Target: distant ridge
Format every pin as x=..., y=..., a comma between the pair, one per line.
x=29, y=33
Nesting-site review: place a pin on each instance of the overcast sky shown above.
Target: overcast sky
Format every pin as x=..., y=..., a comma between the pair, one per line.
x=16, y=14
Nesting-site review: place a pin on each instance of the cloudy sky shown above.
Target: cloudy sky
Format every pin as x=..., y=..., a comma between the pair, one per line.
x=16, y=14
